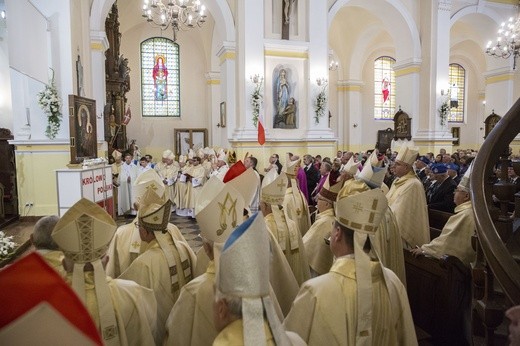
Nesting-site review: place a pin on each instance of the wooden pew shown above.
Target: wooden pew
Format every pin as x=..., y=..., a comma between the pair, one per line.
x=437, y=221
x=439, y=291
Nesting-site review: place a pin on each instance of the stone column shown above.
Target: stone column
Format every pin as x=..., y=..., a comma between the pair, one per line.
x=430, y=132
x=350, y=100
x=318, y=69
x=228, y=88
x=216, y=131
x=250, y=61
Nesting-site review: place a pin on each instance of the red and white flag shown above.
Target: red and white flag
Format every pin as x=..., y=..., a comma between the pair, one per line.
x=128, y=116
x=261, y=130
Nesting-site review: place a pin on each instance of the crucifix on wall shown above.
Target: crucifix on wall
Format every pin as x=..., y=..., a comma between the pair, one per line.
x=286, y=17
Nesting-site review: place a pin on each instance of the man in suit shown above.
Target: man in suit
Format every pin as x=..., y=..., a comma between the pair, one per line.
x=440, y=194
x=312, y=175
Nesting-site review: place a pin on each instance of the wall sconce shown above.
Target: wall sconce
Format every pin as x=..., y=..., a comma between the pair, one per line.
x=333, y=65
x=256, y=78
x=321, y=81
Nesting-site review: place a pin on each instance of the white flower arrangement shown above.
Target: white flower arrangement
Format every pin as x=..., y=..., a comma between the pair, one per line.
x=444, y=110
x=94, y=162
x=256, y=99
x=50, y=102
x=319, y=104
x=7, y=245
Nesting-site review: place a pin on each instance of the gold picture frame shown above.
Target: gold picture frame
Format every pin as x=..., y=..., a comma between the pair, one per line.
x=82, y=126
x=222, y=115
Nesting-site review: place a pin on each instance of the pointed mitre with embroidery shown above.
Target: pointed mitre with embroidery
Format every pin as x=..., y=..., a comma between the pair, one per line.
x=83, y=234
x=50, y=312
x=151, y=197
x=168, y=154
x=464, y=181
x=352, y=166
x=274, y=187
x=154, y=216
x=407, y=154
x=291, y=166
x=182, y=158
x=362, y=214
x=244, y=273
x=330, y=192
x=148, y=180
x=191, y=154
x=218, y=210
x=116, y=154
x=245, y=181
x=372, y=174
x=222, y=156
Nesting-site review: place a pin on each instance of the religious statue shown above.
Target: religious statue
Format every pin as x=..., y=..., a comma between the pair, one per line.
x=283, y=91
x=123, y=69
x=284, y=104
x=289, y=114
x=160, y=78
x=287, y=10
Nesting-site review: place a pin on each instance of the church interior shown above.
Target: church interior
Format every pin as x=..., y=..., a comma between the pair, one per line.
x=309, y=77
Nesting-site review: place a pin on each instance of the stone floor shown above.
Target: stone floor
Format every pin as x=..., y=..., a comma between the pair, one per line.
x=21, y=230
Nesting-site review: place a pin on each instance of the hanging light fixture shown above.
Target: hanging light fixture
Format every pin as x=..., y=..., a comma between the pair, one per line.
x=177, y=14
x=508, y=40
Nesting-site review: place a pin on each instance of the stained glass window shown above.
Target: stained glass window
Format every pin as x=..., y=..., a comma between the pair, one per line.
x=384, y=88
x=160, y=78
x=457, y=91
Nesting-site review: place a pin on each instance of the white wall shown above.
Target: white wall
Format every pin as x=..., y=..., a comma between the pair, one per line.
x=6, y=111
x=154, y=135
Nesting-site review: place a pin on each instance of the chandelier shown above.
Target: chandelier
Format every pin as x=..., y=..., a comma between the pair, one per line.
x=508, y=41
x=177, y=14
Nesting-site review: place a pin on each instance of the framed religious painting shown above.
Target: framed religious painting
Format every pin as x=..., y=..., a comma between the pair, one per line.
x=82, y=126
x=455, y=133
x=222, y=114
x=490, y=123
x=402, y=125
x=384, y=140
x=186, y=139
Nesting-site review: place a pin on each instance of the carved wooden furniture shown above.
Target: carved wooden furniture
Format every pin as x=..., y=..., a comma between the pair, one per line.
x=117, y=85
x=439, y=295
x=8, y=177
x=496, y=273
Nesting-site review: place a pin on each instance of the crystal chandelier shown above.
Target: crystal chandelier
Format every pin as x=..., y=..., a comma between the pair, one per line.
x=508, y=41
x=177, y=14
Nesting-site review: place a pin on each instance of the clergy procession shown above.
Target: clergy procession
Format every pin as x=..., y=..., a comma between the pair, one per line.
x=298, y=255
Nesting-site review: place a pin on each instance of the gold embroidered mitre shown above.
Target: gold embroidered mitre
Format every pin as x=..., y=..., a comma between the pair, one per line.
x=218, y=210
x=274, y=187
x=155, y=217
